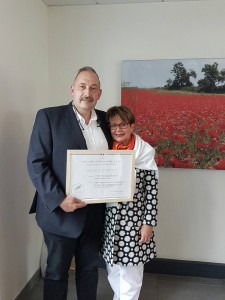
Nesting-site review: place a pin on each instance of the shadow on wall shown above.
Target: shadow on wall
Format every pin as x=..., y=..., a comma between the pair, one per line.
x=14, y=198
x=15, y=186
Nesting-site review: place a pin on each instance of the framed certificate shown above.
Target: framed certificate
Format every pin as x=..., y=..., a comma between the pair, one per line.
x=98, y=176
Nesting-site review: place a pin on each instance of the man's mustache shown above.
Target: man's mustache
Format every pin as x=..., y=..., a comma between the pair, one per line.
x=87, y=98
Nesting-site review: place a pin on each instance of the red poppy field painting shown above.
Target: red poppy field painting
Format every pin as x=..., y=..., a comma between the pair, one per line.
x=179, y=106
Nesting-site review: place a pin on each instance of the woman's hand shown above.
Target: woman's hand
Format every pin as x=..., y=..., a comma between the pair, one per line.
x=146, y=233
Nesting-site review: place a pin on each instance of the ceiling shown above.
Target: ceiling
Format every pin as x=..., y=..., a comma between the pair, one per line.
x=104, y=2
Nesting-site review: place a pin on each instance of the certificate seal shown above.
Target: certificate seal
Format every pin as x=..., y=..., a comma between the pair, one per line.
x=78, y=190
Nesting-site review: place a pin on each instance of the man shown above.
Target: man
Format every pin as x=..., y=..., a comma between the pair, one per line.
x=70, y=227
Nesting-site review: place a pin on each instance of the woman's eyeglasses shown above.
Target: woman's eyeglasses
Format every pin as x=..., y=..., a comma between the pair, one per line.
x=122, y=125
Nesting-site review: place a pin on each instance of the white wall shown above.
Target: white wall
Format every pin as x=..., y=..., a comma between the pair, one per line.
x=191, y=222
x=23, y=89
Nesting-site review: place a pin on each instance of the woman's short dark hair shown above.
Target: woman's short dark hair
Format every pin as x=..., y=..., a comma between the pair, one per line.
x=123, y=112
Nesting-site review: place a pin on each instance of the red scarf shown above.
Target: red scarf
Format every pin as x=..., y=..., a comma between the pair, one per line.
x=120, y=146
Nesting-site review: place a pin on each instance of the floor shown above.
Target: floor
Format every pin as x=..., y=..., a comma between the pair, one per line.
x=155, y=287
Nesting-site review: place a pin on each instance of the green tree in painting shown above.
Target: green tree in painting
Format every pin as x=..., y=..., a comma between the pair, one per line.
x=125, y=84
x=181, y=77
x=213, y=81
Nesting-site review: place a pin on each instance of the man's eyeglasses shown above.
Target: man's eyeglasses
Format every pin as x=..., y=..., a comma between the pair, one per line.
x=122, y=125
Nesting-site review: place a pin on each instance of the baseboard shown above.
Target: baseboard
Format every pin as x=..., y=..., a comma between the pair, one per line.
x=186, y=268
x=182, y=268
x=30, y=284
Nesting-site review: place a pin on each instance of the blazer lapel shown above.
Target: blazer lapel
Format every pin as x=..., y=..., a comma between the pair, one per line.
x=74, y=127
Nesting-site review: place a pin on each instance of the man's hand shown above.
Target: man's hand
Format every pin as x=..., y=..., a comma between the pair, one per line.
x=146, y=233
x=70, y=204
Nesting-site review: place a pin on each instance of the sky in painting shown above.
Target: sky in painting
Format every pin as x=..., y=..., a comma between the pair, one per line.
x=155, y=73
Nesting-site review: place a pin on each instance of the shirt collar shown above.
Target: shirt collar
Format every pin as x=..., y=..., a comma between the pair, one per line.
x=81, y=119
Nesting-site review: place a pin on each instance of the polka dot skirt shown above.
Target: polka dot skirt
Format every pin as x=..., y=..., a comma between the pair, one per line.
x=123, y=222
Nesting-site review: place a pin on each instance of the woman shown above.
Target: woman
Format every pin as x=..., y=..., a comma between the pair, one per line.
x=128, y=239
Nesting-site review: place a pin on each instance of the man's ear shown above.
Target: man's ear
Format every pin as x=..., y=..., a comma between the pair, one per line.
x=72, y=90
x=99, y=94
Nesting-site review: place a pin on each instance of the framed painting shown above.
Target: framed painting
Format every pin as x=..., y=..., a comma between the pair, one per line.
x=179, y=106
